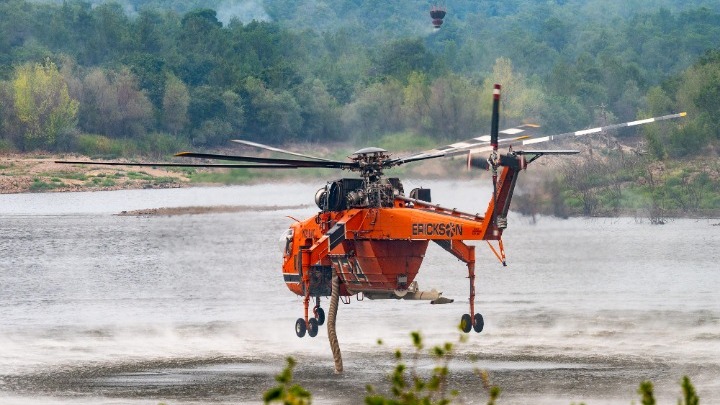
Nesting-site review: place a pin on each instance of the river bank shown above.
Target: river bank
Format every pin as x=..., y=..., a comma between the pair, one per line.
x=22, y=173
x=538, y=193
x=39, y=172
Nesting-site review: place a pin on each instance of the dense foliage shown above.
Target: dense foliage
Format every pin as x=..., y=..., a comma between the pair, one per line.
x=75, y=74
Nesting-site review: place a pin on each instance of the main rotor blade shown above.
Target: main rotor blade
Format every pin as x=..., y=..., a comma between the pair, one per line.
x=531, y=141
x=605, y=128
x=292, y=162
x=230, y=166
x=461, y=147
x=274, y=149
x=455, y=151
x=482, y=143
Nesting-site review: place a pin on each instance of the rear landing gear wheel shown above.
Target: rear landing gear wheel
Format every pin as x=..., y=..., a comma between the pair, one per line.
x=479, y=323
x=312, y=327
x=465, y=323
x=300, y=327
x=319, y=315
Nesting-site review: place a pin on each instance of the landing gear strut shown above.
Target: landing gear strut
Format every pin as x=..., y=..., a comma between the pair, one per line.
x=475, y=321
x=466, y=254
x=308, y=324
x=318, y=312
x=312, y=325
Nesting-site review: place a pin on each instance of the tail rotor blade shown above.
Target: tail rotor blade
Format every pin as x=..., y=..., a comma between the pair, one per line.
x=494, y=161
x=495, y=118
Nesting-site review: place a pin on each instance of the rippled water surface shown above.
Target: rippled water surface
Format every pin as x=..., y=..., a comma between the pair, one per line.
x=98, y=308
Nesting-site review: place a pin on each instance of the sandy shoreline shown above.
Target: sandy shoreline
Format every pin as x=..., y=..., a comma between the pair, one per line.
x=31, y=173
x=22, y=173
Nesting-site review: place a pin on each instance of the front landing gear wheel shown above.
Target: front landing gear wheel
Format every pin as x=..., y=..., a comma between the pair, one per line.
x=465, y=323
x=319, y=315
x=300, y=327
x=312, y=327
x=479, y=323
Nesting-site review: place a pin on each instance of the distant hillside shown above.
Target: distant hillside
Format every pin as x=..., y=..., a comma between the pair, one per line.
x=149, y=76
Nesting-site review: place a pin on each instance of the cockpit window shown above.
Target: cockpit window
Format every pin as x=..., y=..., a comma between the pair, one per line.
x=286, y=240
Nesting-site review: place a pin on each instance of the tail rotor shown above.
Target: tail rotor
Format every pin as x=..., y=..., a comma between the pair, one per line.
x=494, y=159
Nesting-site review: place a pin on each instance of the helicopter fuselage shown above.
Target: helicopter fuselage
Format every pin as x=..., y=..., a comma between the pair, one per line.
x=378, y=250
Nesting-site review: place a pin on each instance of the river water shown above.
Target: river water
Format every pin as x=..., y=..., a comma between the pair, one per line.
x=97, y=308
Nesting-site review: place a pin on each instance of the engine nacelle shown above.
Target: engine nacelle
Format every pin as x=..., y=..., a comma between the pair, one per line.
x=343, y=194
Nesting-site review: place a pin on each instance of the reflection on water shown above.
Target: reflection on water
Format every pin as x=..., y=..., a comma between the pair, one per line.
x=96, y=306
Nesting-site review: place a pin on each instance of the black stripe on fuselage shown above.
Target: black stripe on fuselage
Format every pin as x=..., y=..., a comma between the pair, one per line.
x=336, y=235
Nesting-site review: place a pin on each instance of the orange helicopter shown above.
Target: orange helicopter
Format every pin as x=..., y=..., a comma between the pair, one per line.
x=372, y=237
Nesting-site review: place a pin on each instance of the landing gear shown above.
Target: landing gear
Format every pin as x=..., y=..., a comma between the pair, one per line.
x=478, y=323
x=312, y=327
x=475, y=323
x=466, y=253
x=465, y=323
x=319, y=315
x=300, y=328
x=318, y=312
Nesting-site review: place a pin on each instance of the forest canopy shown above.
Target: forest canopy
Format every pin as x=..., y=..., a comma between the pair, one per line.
x=75, y=74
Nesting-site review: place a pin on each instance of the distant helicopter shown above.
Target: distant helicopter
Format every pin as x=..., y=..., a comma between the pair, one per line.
x=437, y=13
x=369, y=238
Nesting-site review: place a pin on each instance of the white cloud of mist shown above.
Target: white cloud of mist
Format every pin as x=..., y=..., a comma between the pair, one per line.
x=244, y=10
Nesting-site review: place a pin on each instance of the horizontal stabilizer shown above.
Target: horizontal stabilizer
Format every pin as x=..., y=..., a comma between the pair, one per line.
x=509, y=160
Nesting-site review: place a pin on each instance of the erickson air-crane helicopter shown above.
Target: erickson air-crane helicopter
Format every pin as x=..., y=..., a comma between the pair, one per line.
x=369, y=238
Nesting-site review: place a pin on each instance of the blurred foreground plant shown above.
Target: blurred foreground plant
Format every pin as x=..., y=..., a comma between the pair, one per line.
x=285, y=392
x=647, y=397
x=407, y=387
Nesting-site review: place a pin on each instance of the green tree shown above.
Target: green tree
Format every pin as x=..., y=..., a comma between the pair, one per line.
x=215, y=115
x=199, y=42
x=114, y=105
x=416, y=102
x=401, y=57
x=700, y=92
x=319, y=111
x=377, y=110
x=658, y=103
x=175, y=105
x=43, y=108
x=455, y=106
x=273, y=116
x=520, y=101
x=556, y=32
